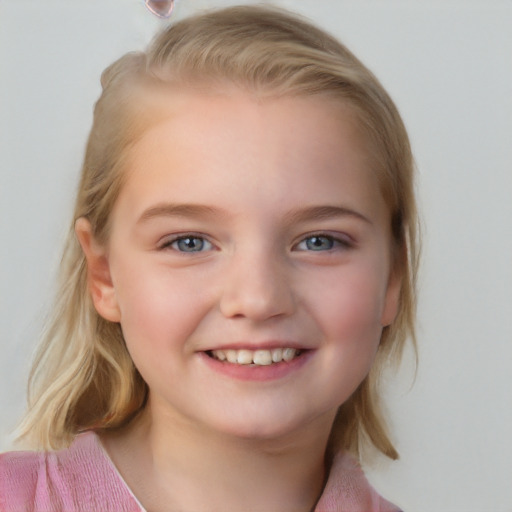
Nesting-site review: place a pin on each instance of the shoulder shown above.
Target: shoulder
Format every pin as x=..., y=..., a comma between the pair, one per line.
x=18, y=478
x=80, y=479
x=348, y=490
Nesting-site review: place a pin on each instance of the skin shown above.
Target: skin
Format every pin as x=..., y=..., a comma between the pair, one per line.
x=258, y=178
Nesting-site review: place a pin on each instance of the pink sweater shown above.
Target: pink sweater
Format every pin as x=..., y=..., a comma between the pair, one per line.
x=84, y=479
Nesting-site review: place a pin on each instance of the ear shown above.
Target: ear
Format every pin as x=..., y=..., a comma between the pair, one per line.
x=392, y=298
x=98, y=272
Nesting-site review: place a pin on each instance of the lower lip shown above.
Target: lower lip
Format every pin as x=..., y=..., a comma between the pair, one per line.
x=257, y=373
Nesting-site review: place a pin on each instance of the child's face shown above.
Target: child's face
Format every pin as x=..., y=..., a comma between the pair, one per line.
x=250, y=224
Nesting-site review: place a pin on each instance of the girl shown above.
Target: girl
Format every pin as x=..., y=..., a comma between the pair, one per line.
x=240, y=267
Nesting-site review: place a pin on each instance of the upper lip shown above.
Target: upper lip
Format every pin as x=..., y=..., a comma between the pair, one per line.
x=264, y=345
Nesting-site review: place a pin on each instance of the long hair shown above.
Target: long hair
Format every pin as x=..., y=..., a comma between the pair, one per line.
x=83, y=377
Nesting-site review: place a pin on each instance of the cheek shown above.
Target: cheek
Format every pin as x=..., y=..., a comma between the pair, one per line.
x=351, y=319
x=354, y=336
x=157, y=309
x=352, y=302
x=349, y=315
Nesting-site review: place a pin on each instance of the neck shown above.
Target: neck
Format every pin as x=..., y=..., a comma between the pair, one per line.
x=175, y=463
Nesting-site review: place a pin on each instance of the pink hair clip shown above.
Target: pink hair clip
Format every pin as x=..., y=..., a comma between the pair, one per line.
x=160, y=8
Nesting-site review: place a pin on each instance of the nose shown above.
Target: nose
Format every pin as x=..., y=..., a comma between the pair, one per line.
x=257, y=287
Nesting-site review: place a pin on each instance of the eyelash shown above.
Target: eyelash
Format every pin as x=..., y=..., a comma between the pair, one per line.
x=333, y=243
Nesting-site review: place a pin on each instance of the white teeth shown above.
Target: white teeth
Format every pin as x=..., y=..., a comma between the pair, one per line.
x=277, y=355
x=220, y=355
x=244, y=357
x=262, y=357
x=256, y=357
x=231, y=355
x=289, y=354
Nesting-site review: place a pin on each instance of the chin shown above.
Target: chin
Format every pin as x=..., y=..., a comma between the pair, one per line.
x=272, y=428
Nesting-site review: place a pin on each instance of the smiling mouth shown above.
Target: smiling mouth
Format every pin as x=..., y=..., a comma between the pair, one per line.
x=255, y=357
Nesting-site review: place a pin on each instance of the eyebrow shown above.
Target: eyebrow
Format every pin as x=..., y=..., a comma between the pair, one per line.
x=311, y=213
x=178, y=210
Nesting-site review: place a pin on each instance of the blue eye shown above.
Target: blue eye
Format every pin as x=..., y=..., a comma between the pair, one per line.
x=320, y=243
x=190, y=244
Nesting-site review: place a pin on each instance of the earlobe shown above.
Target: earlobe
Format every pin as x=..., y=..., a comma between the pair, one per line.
x=99, y=279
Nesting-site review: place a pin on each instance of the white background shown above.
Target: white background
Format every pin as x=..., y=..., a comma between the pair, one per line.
x=448, y=65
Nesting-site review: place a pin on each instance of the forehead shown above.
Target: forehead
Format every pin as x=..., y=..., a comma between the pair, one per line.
x=194, y=111
x=200, y=143
x=153, y=104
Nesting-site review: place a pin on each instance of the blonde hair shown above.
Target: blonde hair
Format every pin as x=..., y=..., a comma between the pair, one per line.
x=83, y=377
